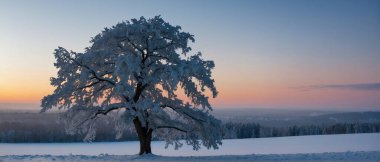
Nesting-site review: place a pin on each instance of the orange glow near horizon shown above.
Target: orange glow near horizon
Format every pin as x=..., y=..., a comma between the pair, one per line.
x=238, y=96
x=17, y=87
x=277, y=97
x=24, y=94
x=233, y=92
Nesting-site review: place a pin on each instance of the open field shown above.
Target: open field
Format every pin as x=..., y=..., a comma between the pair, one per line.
x=348, y=147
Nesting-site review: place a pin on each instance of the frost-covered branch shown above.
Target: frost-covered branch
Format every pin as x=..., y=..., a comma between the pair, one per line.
x=183, y=110
x=95, y=75
x=172, y=127
x=105, y=110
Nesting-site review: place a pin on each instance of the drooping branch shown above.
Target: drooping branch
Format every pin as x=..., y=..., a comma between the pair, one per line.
x=98, y=111
x=172, y=127
x=179, y=109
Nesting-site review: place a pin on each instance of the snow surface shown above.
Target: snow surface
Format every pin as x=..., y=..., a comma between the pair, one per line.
x=355, y=147
x=343, y=157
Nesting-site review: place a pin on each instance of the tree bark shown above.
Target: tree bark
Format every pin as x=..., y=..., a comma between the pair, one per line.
x=145, y=137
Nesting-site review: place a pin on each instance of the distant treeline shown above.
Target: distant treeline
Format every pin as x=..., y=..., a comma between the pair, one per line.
x=15, y=132
x=19, y=128
x=254, y=130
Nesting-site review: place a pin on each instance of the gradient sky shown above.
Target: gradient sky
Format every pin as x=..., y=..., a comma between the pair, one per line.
x=302, y=54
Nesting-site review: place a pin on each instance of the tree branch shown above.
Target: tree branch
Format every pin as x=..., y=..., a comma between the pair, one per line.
x=173, y=127
x=133, y=45
x=92, y=71
x=177, y=109
x=92, y=116
x=87, y=86
x=110, y=108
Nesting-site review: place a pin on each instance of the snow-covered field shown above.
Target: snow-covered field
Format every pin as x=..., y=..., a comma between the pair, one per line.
x=349, y=147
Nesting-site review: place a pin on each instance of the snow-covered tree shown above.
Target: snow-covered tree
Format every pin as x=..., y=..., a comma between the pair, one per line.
x=143, y=71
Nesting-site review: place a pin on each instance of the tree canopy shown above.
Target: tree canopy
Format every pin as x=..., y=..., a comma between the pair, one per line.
x=138, y=69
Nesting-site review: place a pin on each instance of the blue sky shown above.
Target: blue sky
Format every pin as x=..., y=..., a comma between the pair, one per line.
x=261, y=48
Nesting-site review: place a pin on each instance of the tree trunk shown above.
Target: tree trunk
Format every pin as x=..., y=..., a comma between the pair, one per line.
x=145, y=137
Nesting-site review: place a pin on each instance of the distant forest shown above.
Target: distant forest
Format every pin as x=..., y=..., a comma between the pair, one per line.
x=34, y=127
x=254, y=130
